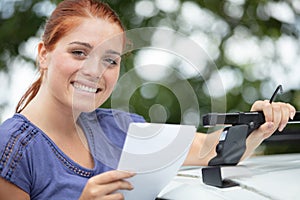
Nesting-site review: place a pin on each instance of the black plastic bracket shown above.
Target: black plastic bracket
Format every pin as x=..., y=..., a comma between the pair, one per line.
x=213, y=176
x=230, y=149
x=231, y=146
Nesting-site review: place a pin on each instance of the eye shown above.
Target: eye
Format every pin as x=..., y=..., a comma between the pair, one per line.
x=79, y=53
x=110, y=61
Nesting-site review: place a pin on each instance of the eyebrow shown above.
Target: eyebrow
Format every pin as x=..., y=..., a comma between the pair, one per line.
x=83, y=44
x=90, y=47
x=113, y=52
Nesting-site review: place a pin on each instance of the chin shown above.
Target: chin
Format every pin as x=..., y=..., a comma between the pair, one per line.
x=85, y=102
x=82, y=106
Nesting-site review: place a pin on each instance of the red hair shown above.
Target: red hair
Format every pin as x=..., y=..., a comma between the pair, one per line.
x=67, y=15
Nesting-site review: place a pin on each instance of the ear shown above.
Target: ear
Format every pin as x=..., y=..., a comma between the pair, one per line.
x=42, y=56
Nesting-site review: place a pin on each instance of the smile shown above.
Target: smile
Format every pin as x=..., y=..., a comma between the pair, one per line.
x=85, y=88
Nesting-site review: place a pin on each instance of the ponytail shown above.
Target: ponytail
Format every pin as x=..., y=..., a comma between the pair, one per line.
x=29, y=94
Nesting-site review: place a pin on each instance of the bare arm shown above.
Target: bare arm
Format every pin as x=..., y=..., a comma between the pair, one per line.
x=9, y=191
x=203, y=148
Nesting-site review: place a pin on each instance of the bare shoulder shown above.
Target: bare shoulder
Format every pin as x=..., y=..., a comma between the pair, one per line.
x=9, y=191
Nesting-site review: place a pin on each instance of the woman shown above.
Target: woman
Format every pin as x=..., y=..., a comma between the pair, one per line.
x=43, y=153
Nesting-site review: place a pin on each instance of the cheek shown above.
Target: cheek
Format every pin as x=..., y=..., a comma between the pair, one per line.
x=63, y=65
x=111, y=77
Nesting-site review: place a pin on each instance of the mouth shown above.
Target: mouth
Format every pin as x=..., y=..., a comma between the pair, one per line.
x=86, y=88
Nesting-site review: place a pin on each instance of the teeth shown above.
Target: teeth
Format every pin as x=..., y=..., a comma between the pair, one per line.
x=84, y=88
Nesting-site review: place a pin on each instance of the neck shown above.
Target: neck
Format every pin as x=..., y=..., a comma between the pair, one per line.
x=59, y=123
x=50, y=115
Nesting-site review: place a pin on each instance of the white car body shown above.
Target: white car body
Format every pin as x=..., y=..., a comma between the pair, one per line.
x=273, y=177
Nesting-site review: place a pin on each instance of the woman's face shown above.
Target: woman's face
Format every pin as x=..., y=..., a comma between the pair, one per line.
x=83, y=68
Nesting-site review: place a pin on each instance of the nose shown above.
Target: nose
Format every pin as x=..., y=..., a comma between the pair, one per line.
x=92, y=67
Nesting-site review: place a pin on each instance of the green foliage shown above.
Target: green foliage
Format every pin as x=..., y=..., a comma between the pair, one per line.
x=24, y=23
x=17, y=28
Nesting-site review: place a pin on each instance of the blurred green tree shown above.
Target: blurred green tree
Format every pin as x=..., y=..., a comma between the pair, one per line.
x=225, y=29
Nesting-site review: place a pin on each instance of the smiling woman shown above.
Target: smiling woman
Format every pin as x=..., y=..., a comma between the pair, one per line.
x=79, y=62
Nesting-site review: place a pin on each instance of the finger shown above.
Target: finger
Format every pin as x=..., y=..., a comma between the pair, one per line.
x=94, y=191
x=292, y=111
x=114, y=196
x=257, y=105
x=276, y=114
x=118, y=185
x=265, y=107
x=285, y=115
x=112, y=187
x=111, y=176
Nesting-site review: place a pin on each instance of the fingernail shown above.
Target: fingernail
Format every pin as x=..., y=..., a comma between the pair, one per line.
x=132, y=173
x=129, y=172
x=292, y=115
x=281, y=127
x=131, y=187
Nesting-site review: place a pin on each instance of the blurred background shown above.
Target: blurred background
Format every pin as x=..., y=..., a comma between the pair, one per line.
x=251, y=46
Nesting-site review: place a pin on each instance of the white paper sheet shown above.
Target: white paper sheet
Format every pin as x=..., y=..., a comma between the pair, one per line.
x=154, y=152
